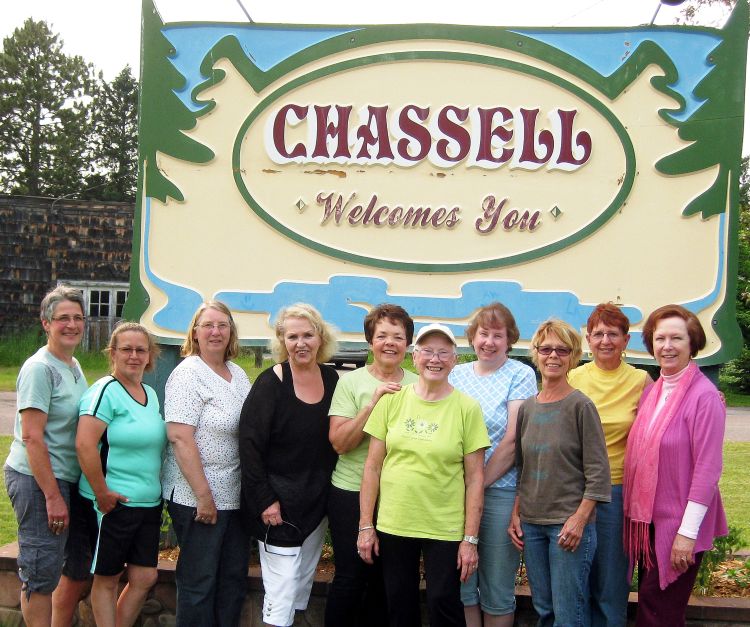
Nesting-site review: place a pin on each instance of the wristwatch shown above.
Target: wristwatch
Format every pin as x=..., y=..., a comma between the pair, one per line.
x=471, y=539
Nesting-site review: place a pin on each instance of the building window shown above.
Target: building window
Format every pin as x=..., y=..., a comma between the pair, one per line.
x=99, y=303
x=103, y=300
x=120, y=298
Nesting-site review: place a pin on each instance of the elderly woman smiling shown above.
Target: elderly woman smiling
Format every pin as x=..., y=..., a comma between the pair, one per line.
x=500, y=385
x=42, y=471
x=563, y=472
x=357, y=597
x=286, y=460
x=615, y=387
x=426, y=465
x=201, y=477
x=673, y=461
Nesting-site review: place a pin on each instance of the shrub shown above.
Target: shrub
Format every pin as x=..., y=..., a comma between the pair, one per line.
x=723, y=549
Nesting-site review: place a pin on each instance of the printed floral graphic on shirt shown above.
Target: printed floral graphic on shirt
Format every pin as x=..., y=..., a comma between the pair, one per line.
x=420, y=429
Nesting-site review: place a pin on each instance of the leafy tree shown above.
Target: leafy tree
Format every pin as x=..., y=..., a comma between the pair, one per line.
x=737, y=372
x=692, y=9
x=43, y=121
x=114, y=138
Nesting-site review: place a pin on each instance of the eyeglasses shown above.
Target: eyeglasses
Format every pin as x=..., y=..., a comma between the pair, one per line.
x=429, y=354
x=612, y=335
x=208, y=326
x=66, y=319
x=561, y=351
x=126, y=350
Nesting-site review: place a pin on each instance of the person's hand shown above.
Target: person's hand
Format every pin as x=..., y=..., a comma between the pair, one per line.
x=468, y=559
x=515, y=532
x=107, y=501
x=387, y=388
x=682, y=556
x=205, y=511
x=570, y=535
x=272, y=514
x=367, y=545
x=57, y=513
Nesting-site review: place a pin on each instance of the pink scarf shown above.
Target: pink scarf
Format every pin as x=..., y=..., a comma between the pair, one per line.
x=642, y=466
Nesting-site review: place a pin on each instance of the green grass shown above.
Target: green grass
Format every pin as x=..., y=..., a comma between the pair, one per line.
x=95, y=366
x=737, y=399
x=734, y=492
x=8, y=526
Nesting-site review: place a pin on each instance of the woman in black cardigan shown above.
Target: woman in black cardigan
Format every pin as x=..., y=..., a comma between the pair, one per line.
x=287, y=460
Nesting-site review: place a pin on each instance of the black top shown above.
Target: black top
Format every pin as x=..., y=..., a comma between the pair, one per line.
x=285, y=456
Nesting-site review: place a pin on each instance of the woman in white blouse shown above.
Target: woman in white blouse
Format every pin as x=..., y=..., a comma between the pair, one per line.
x=201, y=477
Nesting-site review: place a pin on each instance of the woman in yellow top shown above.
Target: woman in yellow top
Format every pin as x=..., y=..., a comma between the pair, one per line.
x=615, y=387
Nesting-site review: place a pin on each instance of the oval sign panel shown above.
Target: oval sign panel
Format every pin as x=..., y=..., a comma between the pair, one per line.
x=437, y=162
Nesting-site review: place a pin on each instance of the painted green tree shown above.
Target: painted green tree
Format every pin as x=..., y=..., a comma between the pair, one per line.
x=163, y=115
x=43, y=119
x=716, y=127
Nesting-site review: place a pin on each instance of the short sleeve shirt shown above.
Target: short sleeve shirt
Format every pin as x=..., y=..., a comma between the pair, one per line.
x=54, y=387
x=353, y=391
x=422, y=490
x=132, y=445
x=513, y=381
x=616, y=394
x=195, y=395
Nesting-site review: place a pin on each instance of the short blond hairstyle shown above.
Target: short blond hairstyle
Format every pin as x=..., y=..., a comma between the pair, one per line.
x=123, y=327
x=190, y=345
x=565, y=333
x=324, y=330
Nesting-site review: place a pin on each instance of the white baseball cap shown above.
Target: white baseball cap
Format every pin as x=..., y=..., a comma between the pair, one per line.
x=435, y=327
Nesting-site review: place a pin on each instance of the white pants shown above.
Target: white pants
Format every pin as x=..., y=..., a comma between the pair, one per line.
x=288, y=574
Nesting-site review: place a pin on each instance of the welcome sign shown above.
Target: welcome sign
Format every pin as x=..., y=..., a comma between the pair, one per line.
x=440, y=168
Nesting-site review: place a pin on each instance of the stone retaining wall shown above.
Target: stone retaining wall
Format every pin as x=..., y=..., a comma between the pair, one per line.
x=159, y=610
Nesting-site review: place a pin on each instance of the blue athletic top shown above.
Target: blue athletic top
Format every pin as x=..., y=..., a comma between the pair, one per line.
x=132, y=447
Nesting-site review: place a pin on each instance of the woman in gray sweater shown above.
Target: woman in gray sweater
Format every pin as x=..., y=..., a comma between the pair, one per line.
x=563, y=472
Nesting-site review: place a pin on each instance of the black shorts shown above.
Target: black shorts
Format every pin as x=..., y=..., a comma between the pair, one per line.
x=126, y=535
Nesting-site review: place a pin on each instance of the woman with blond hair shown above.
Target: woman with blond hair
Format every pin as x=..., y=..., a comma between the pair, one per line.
x=201, y=476
x=120, y=444
x=286, y=460
x=563, y=472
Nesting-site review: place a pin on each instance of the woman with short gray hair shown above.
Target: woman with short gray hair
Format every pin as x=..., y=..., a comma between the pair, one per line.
x=42, y=469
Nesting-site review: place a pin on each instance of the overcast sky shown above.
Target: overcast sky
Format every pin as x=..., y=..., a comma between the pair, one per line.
x=107, y=32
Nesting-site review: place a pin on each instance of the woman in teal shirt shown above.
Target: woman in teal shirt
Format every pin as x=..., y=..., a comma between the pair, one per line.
x=120, y=443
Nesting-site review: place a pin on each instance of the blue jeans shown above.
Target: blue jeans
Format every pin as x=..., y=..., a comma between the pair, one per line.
x=609, y=571
x=211, y=571
x=493, y=586
x=559, y=579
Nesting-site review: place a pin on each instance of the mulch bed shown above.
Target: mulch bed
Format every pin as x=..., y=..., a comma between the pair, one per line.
x=723, y=585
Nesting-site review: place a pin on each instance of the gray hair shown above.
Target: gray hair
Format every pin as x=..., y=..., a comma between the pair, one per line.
x=54, y=297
